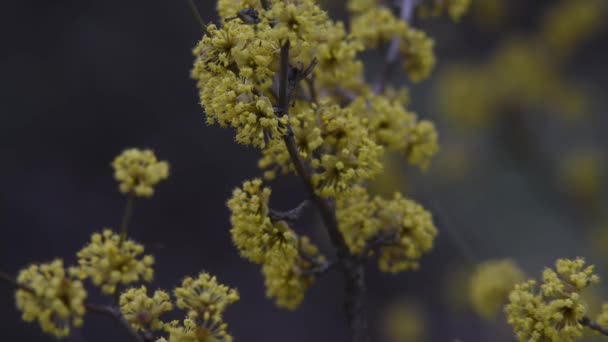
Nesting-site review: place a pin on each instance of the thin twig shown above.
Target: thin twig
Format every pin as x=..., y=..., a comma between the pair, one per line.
x=380, y=240
x=586, y=321
x=291, y=215
x=197, y=16
x=124, y=223
x=405, y=13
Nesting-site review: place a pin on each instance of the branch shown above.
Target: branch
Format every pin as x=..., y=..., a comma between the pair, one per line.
x=291, y=215
x=92, y=308
x=354, y=297
x=405, y=14
x=586, y=321
x=378, y=241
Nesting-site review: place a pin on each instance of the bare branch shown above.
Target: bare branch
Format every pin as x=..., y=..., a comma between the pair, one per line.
x=586, y=321
x=291, y=215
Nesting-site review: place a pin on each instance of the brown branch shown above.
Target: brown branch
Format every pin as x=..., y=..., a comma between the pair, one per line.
x=92, y=308
x=355, y=306
x=405, y=13
x=586, y=321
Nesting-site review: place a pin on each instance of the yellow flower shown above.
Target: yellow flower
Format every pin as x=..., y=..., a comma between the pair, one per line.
x=254, y=234
x=405, y=321
x=190, y=331
x=554, y=312
x=287, y=280
x=355, y=213
x=56, y=301
x=109, y=262
x=491, y=284
x=413, y=229
x=419, y=57
x=204, y=298
x=144, y=312
x=138, y=171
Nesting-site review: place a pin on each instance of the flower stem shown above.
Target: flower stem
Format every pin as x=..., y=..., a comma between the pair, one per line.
x=124, y=225
x=197, y=15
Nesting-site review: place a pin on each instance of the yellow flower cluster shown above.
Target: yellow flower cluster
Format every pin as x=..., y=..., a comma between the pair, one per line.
x=288, y=285
x=520, y=74
x=491, y=284
x=138, y=171
x=455, y=8
x=53, y=299
x=391, y=126
x=407, y=228
x=405, y=321
x=417, y=50
x=285, y=257
x=372, y=24
x=553, y=312
x=109, y=262
x=205, y=300
x=349, y=155
x=254, y=234
x=143, y=312
x=602, y=317
x=581, y=174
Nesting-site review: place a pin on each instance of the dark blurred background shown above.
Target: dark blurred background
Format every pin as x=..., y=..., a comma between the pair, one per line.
x=82, y=80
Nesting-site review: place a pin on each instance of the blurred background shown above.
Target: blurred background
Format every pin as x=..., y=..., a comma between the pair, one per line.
x=520, y=104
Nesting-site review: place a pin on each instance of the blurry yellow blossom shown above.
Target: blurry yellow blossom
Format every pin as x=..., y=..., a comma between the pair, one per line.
x=109, y=263
x=490, y=14
x=375, y=26
x=552, y=312
x=288, y=285
x=56, y=301
x=143, y=312
x=455, y=8
x=568, y=23
x=418, y=55
x=491, y=284
x=254, y=234
x=204, y=298
x=404, y=321
x=581, y=173
x=138, y=171
x=602, y=318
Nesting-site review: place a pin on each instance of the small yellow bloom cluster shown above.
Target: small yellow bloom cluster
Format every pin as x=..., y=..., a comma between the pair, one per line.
x=205, y=300
x=581, y=174
x=407, y=227
x=455, y=8
x=553, y=312
x=255, y=235
x=138, y=171
x=569, y=23
x=419, y=58
x=143, y=312
x=393, y=127
x=349, y=155
x=285, y=257
x=405, y=321
x=491, y=284
x=109, y=262
x=288, y=285
x=52, y=298
x=373, y=24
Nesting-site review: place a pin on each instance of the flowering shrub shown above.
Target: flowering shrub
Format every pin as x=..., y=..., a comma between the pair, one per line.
x=289, y=81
